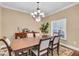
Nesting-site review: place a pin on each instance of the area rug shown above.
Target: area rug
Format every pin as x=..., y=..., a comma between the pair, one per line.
x=63, y=51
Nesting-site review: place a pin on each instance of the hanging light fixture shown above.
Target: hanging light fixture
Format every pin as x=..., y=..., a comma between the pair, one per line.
x=38, y=15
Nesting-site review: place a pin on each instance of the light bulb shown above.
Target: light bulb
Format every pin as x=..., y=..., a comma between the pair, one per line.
x=42, y=14
x=38, y=11
x=35, y=13
x=38, y=19
x=32, y=14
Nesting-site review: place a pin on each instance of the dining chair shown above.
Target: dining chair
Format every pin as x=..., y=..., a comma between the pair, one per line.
x=54, y=44
x=5, y=51
x=7, y=40
x=30, y=35
x=37, y=35
x=42, y=47
x=4, y=48
x=21, y=52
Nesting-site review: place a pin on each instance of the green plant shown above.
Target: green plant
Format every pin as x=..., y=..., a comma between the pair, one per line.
x=44, y=27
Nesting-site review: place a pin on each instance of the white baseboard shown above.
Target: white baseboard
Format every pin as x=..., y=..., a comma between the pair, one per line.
x=74, y=48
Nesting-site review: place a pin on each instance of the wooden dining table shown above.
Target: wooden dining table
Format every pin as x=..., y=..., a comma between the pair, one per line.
x=19, y=44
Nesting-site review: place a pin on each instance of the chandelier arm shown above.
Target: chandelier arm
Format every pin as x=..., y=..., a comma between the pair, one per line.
x=38, y=16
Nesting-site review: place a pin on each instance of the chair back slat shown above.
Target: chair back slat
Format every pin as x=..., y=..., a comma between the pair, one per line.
x=8, y=41
x=56, y=39
x=44, y=44
x=37, y=34
x=29, y=35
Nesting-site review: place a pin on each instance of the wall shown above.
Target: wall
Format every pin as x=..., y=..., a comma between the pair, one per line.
x=72, y=15
x=13, y=19
x=0, y=21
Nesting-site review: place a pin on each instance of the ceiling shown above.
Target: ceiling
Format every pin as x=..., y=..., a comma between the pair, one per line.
x=47, y=7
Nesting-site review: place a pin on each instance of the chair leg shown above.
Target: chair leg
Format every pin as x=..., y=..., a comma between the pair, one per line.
x=47, y=52
x=52, y=52
x=58, y=50
x=29, y=52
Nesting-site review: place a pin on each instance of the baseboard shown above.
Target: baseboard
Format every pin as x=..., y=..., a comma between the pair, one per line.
x=74, y=48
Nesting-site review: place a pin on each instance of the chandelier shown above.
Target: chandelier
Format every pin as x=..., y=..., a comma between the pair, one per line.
x=38, y=15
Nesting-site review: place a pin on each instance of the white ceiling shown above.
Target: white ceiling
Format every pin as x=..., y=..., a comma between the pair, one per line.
x=47, y=7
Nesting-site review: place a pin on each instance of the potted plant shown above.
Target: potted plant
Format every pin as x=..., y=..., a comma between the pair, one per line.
x=44, y=29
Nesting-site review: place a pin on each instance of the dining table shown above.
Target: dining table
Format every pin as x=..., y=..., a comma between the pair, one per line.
x=23, y=43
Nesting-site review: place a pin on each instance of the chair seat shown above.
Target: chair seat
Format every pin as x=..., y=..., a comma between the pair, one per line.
x=4, y=52
x=53, y=46
x=22, y=52
x=36, y=52
x=3, y=46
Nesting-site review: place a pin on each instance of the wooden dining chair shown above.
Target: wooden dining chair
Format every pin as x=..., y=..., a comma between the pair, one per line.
x=54, y=44
x=21, y=52
x=30, y=35
x=37, y=35
x=6, y=50
x=42, y=48
x=7, y=40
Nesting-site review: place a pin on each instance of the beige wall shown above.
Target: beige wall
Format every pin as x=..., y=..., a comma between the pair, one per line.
x=12, y=19
x=72, y=15
x=0, y=21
